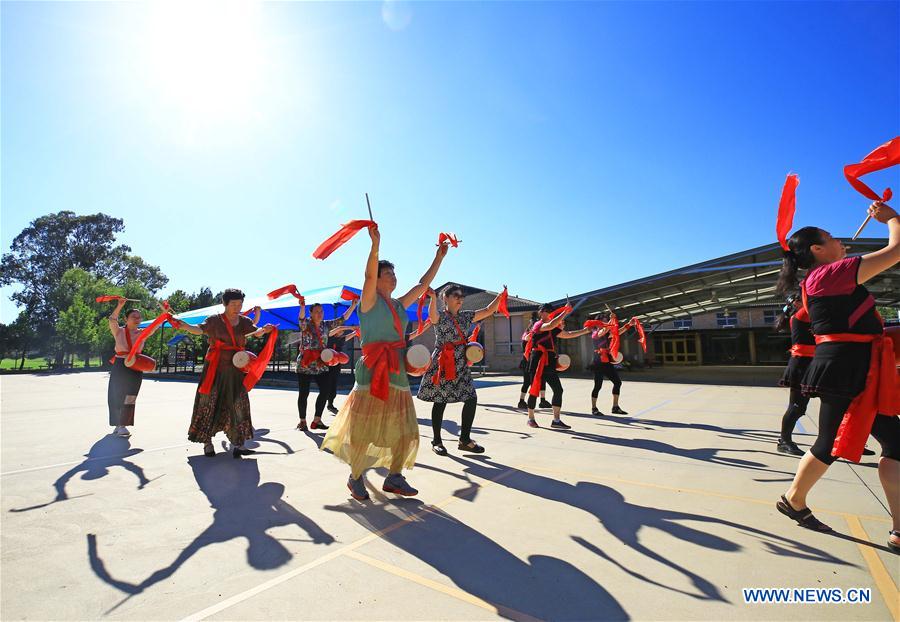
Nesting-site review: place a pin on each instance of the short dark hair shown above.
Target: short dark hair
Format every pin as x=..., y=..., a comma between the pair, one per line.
x=314, y=305
x=451, y=288
x=231, y=294
x=547, y=308
x=130, y=311
x=384, y=264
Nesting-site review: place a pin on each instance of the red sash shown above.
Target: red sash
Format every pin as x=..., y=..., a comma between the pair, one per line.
x=535, y=388
x=604, y=354
x=447, y=358
x=213, y=354
x=383, y=357
x=311, y=356
x=800, y=350
x=112, y=361
x=881, y=394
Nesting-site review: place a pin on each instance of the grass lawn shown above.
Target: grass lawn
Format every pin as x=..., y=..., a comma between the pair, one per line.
x=41, y=363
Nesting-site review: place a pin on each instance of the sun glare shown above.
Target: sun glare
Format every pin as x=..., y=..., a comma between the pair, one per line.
x=205, y=59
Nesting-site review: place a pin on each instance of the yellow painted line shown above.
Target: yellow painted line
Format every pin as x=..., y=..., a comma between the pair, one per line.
x=453, y=592
x=694, y=491
x=882, y=577
x=287, y=576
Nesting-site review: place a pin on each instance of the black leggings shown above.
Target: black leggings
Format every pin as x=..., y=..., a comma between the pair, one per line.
x=551, y=378
x=468, y=417
x=886, y=430
x=333, y=374
x=795, y=410
x=608, y=370
x=304, y=380
x=526, y=384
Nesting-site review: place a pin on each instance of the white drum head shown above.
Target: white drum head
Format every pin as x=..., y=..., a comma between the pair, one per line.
x=618, y=358
x=474, y=353
x=563, y=361
x=241, y=359
x=417, y=357
x=327, y=355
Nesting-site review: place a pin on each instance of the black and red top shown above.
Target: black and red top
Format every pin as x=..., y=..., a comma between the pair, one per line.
x=837, y=303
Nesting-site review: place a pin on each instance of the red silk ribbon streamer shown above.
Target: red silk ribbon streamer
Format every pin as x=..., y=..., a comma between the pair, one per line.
x=642, y=336
x=501, y=308
x=145, y=334
x=420, y=326
x=883, y=157
x=561, y=310
x=595, y=324
x=446, y=369
x=281, y=291
x=346, y=294
x=341, y=237
x=420, y=330
x=107, y=298
x=535, y=388
x=449, y=238
x=880, y=396
x=786, y=208
x=258, y=367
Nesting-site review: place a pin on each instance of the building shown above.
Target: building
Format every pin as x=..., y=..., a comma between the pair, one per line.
x=720, y=311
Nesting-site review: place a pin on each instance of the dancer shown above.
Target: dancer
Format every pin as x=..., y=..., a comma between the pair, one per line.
x=803, y=346
x=542, y=361
x=448, y=379
x=221, y=403
x=852, y=371
x=314, y=333
x=337, y=339
x=526, y=377
x=602, y=366
x=124, y=381
x=377, y=424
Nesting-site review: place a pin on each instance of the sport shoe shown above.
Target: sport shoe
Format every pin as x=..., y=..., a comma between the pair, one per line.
x=545, y=404
x=789, y=447
x=122, y=431
x=618, y=411
x=332, y=409
x=533, y=424
x=398, y=485
x=522, y=405
x=358, y=488
x=596, y=411
x=556, y=423
x=302, y=425
x=317, y=425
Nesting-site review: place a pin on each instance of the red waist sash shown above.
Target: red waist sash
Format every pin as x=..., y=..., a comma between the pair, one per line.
x=383, y=358
x=800, y=350
x=212, y=359
x=881, y=394
x=604, y=354
x=309, y=357
x=447, y=362
x=535, y=388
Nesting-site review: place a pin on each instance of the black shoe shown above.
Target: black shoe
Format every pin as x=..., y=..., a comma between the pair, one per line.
x=868, y=452
x=209, y=451
x=618, y=411
x=556, y=423
x=522, y=405
x=545, y=404
x=244, y=451
x=596, y=411
x=439, y=449
x=317, y=425
x=471, y=447
x=789, y=447
x=302, y=425
x=331, y=408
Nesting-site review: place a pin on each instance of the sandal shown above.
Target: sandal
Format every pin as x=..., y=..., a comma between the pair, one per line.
x=803, y=517
x=439, y=449
x=894, y=547
x=471, y=447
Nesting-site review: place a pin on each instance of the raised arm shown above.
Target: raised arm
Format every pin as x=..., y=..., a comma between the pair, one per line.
x=114, y=317
x=875, y=263
x=489, y=310
x=369, y=291
x=572, y=334
x=425, y=282
x=433, y=308
x=302, y=314
x=350, y=309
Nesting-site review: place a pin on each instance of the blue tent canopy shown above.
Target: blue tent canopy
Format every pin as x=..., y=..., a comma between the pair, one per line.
x=178, y=339
x=283, y=311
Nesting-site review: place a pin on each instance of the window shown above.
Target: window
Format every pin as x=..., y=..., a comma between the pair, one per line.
x=770, y=315
x=727, y=320
x=507, y=335
x=684, y=323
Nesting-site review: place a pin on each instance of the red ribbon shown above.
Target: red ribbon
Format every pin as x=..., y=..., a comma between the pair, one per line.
x=214, y=353
x=108, y=298
x=786, y=208
x=145, y=333
x=801, y=350
x=501, y=308
x=127, y=341
x=474, y=337
x=642, y=336
x=258, y=367
x=561, y=310
x=281, y=291
x=449, y=238
x=880, y=396
x=535, y=388
x=446, y=359
x=341, y=237
x=614, y=337
x=883, y=157
x=383, y=357
x=346, y=294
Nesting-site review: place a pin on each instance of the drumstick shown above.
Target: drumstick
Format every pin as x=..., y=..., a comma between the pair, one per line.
x=369, y=205
x=862, y=226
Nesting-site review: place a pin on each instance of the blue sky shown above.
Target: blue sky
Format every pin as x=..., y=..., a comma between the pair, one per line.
x=569, y=145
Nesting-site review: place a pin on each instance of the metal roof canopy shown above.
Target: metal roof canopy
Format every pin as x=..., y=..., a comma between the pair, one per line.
x=731, y=282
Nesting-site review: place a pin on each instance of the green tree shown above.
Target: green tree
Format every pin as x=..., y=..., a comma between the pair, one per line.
x=77, y=328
